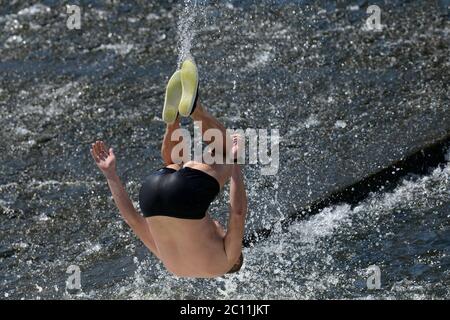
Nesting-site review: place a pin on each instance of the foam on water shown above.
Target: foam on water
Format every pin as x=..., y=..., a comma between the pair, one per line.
x=121, y=49
x=262, y=58
x=34, y=9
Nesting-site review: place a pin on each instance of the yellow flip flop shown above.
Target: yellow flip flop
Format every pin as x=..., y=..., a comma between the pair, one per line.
x=173, y=96
x=189, y=83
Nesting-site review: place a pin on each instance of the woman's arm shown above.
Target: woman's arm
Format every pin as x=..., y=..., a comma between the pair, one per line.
x=238, y=212
x=136, y=222
x=106, y=162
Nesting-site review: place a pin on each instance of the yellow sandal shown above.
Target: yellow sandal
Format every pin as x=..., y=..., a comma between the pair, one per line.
x=189, y=83
x=173, y=97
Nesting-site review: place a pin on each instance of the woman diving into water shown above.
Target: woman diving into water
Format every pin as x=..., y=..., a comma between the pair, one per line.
x=174, y=200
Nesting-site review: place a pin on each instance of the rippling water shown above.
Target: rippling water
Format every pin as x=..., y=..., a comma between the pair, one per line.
x=346, y=102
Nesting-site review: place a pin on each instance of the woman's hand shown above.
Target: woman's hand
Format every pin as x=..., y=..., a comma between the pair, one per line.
x=104, y=158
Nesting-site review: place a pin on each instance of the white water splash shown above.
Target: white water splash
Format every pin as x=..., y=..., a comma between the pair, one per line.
x=321, y=225
x=34, y=10
x=312, y=121
x=187, y=29
x=262, y=58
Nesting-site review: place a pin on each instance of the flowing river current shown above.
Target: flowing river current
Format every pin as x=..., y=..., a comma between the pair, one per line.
x=347, y=102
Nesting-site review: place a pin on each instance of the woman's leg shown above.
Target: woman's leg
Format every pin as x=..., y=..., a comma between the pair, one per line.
x=168, y=145
x=208, y=122
x=222, y=172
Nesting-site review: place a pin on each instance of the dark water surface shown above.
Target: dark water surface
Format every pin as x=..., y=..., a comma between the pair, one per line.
x=347, y=102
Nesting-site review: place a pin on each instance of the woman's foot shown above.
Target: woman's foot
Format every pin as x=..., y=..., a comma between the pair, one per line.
x=236, y=150
x=189, y=83
x=172, y=99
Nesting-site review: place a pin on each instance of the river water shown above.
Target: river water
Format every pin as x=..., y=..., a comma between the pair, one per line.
x=347, y=103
